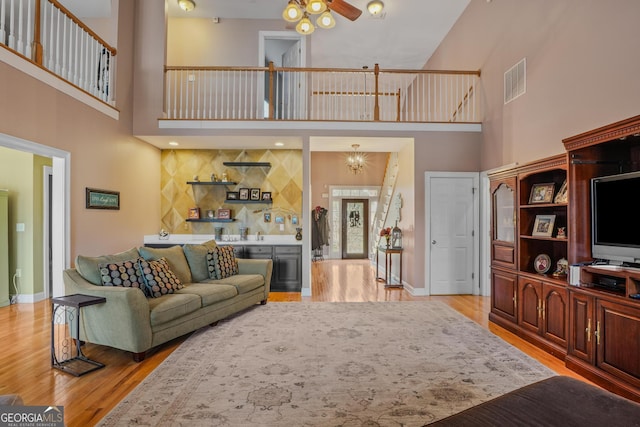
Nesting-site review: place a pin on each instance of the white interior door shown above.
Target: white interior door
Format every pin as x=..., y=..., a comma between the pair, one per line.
x=452, y=241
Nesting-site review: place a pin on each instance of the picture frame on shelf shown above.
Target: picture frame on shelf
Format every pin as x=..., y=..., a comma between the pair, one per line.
x=194, y=213
x=543, y=226
x=542, y=193
x=243, y=194
x=224, y=213
x=255, y=194
x=232, y=195
x=562, y=194
x=542, y=263
x=266, y=196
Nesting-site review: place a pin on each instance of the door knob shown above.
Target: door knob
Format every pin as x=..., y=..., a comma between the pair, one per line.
x=433, y=242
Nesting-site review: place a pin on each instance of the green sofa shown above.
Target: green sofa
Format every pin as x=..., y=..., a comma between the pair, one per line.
x=134, y=321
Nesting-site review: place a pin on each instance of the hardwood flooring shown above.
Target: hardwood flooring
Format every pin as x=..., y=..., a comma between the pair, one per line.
x=25, y=366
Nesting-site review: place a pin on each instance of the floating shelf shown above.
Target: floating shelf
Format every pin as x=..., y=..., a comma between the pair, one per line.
x=248, y=201
x=210, y=220
x=212, y=183
x=248, y=164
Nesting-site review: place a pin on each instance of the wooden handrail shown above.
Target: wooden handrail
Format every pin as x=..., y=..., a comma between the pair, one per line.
x=81, y=24
x=321, y=70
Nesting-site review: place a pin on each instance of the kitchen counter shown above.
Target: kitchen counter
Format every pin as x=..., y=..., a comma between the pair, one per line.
x=180, y=239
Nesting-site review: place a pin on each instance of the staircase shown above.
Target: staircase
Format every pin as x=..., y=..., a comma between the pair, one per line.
x=384, y=202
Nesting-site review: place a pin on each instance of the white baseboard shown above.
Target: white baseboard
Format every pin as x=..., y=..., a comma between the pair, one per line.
x=30, y=298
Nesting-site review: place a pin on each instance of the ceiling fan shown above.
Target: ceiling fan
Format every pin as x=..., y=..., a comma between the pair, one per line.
x=299, y=11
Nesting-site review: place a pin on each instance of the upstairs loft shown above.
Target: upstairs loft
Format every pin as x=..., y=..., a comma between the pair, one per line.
x=50, y=37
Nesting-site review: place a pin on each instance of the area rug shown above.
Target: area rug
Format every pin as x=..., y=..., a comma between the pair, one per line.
x=329, y=364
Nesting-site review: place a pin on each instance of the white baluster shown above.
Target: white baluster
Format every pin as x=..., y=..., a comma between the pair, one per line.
x=29, y=36
x=12, y=23
x=52, y=64
x=63, y=68
x=3, y=18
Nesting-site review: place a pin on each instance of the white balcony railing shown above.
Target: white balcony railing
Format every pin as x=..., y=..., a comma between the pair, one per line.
x=271, y=93
x=46, y=33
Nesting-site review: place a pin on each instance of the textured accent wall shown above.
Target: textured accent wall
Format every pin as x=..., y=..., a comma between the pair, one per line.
x=283, y=179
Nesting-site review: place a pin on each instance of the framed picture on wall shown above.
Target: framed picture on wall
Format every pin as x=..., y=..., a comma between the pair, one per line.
x=244, y=194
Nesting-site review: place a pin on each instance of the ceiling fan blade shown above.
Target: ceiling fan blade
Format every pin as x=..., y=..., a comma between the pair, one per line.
x=343, y=8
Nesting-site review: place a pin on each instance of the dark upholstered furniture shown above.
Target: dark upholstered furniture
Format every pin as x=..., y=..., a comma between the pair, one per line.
x=556, y=401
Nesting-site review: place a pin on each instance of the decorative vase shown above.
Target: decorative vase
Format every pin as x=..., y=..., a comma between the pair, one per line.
x=388, y=239
x=298, y=233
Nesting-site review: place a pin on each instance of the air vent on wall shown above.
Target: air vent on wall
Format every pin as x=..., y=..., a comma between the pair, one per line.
x=515, y=81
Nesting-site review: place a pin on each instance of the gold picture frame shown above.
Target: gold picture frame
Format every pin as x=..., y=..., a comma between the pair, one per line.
x=542, y=193
x=543, y=226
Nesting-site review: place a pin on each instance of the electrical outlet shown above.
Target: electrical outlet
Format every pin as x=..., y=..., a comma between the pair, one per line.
x=18, y=272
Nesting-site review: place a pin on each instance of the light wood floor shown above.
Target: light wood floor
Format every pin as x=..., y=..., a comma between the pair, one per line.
x=25, y=366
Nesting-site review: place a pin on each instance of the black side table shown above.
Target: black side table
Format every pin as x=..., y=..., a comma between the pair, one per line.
x=65, y=328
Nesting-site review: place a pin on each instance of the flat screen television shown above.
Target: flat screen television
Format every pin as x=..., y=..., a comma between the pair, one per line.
x=615, y=220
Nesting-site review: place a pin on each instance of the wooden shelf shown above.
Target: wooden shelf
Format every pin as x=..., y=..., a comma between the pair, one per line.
x=248, y=201
x=211, y=183
x=247, y=164
x=210, y=220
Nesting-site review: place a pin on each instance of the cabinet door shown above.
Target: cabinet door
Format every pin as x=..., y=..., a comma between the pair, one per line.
x=582, y=327
x=258, y=252
x=503, y=224
x=555, y=313
x=617, y=339
x=504, y=287
x=287, y=269
x=530, y=304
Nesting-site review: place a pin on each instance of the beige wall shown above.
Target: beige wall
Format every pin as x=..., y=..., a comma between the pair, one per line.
x=103, y=152
x=582, y=70
x=283, y=179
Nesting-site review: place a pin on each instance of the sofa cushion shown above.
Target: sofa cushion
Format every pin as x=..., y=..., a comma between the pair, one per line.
x=175, y=257
x=159, y=278
x=126, y=274
x=197, y=258
x=242, y=282
x=171, y=307
x=224, y=262
x=210, y=293
x=88, y=266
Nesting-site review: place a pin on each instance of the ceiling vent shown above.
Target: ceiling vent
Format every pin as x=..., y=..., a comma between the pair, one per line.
x=515, y=81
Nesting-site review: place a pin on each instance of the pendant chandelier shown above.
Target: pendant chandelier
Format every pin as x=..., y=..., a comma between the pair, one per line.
x=356, y=160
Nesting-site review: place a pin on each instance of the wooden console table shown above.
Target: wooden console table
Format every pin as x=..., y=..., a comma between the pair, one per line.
x=388, y=253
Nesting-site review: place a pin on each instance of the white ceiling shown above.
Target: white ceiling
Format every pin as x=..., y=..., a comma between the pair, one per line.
x=405, y=37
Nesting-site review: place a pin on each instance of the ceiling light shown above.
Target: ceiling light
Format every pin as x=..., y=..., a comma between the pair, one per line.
x=375, y=7
x=305, y=26
x=356, y=160
x=187, y=5
x=326, y=20
x=173, y=143
x=316, y=6
x=279, y=144
x=292, y=12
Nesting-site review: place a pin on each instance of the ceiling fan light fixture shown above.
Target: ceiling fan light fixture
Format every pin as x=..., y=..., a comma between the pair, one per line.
x=326, y=20
x=316, y=6
x=187, y=5
x=375, y=7
x=292, y=12
x=305, y=26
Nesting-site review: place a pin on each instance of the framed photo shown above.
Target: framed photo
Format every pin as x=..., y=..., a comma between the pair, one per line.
x=255, y=194
x=224, y=213
x=102, y=199
x=267, y=217
x=194, y=213
x=266, y=195
x=561, y=195
x=542, y=263
x=279, y=219
x=543, y=226
x=294, y=220
x=244, y=194
x=232, y=195
x=542, y=193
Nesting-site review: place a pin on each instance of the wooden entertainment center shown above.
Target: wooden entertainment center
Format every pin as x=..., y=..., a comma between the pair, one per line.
x=594, y=329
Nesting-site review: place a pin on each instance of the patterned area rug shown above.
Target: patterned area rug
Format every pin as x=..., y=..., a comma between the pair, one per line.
x=329, y=364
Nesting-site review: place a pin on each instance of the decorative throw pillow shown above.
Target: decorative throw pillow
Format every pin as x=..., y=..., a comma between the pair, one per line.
x=158, y=278
x=224, y=262
x=212, y=258
x=126, y=274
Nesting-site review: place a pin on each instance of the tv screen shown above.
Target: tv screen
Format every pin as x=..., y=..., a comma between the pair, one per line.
x=615, y=221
